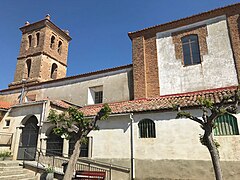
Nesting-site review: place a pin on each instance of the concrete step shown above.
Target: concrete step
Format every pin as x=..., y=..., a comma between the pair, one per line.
x=10, y=168
x=18, y=176
x=9, y=163
x=13, y=171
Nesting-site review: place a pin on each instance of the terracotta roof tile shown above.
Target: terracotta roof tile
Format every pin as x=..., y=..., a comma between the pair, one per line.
x=168, y=25
x=162, y=102
x=159, y=103
x=4, y=105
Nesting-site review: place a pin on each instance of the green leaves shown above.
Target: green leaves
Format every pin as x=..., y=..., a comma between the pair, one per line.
x=183, y=114
x=72, y=121
x=104, y=112
x=206, y=102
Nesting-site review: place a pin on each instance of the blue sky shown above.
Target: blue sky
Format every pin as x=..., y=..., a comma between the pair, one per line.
x=98, y=27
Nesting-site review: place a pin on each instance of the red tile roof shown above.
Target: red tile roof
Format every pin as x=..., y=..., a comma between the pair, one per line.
x=4, y=105
x=159, y=103
x=62, y=103
x=187, y=20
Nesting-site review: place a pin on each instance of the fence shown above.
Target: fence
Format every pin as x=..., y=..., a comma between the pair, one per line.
x=83, y=164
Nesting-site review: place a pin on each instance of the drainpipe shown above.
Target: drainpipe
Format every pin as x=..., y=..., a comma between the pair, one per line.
x=132, y=148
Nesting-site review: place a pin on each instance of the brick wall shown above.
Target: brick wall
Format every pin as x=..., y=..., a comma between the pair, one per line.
x=234, y=31
x=201, y=32
x=145, y=67
x=41, y=54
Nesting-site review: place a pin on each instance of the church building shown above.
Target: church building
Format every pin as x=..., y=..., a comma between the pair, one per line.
x=173, y=63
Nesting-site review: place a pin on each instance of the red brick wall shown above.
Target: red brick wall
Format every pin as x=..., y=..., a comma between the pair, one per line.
x=145, y=67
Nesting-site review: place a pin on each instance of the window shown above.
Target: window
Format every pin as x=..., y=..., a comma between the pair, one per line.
x=146, y=128
x=191, y=53
x=95, y=95
x=83, y=148
x=98, y=97
x=54, y=145
x=226, y=125
x=7, y=123
x=52, y=42
x=59, y=47
x=54, y=71
x=38, y=38
x=28, y=67
x=29, y=40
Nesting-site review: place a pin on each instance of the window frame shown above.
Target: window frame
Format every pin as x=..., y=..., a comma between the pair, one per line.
x=226, y=125
x=147, y=128
x=92, y=95
x=191, y=42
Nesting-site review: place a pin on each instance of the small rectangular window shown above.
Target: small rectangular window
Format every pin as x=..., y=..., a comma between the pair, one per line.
x=95, y=95
x=98, y=97
x=7, y=123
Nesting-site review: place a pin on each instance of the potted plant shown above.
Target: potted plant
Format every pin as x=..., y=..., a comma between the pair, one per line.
x=5, y=155
x=50, y=173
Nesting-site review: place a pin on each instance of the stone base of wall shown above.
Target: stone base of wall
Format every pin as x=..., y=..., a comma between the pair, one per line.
x=176, y=169
x=184, y=169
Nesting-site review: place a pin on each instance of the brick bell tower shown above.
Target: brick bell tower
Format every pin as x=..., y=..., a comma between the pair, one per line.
x=43, y=53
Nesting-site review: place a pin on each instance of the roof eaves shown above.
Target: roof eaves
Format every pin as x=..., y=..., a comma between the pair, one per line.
x=74, y=77
x=166, y=26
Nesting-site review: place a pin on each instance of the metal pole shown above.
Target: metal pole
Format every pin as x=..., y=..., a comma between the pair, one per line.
x=132, y=147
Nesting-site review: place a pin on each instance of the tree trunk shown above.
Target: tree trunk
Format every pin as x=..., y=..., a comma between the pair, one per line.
x=73, y=160
x=208, y=138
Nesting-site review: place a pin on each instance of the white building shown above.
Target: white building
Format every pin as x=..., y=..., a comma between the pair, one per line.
x=173, y=63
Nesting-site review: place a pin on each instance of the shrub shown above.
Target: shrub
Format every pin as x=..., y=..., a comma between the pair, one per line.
x=5, y=154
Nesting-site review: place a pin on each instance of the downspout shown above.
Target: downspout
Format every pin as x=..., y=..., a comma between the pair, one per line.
x=132, y=147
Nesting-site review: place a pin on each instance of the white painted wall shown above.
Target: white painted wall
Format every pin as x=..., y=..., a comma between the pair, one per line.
x=175, y=139
x=216, y=70
x=113, y=138
x=116, y=86
x=179, y=139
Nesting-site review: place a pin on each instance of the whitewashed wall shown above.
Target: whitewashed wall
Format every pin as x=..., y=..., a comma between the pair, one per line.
x=113, y=138
x=175, y=139
x=216, y=70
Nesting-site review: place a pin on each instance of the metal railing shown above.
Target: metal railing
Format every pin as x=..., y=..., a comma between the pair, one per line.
x=6, y=138
x=83, y=164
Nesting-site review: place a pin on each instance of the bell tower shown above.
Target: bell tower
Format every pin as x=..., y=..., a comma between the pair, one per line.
x=43, y=53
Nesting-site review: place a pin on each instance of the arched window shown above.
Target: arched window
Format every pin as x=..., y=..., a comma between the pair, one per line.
x=54, y=145
x=54, y=71
x=59, y=47
x=147, y=128
x=226, y=125
x=191, y=52
x=83, y=148
x=38, y=38
x=29, y=40
x=28, y=68
x=52, y=42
